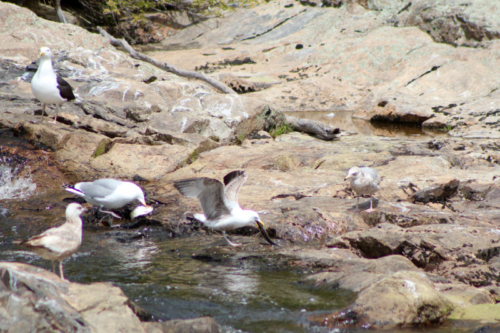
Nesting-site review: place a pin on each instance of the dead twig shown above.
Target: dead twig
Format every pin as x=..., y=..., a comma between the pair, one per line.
x=163, y=65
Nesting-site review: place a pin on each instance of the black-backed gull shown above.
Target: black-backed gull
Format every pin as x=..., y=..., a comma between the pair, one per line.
x=47, y=86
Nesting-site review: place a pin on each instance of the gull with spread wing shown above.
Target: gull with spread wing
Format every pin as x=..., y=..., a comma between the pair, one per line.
x=219, y=202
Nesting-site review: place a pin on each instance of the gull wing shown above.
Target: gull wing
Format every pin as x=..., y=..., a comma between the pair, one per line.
x=233, y=181
x=57, y=240
x=210, y=193
x=65, y=90
x=372, y=173
x=98, y=189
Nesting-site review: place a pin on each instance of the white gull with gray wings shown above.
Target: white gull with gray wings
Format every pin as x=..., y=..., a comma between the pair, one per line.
x=109, y=193
x=221, y=210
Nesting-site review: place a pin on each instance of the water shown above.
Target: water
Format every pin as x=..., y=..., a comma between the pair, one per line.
x=162, y=276
x=344, y=121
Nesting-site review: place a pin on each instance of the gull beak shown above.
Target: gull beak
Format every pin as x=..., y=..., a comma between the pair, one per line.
x=347, y=177
x=42, y=54
x=260, y=225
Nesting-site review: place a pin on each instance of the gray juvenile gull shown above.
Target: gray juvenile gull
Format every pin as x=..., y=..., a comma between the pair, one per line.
x=60, y=242
x=109, y=194
x=220, y=203
x=48, y=87
x=364, y=181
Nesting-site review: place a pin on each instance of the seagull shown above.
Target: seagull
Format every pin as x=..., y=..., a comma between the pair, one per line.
x=109, y=194
x=221, y=210
x=364, y=181
x=48, y=87
x=60, y=242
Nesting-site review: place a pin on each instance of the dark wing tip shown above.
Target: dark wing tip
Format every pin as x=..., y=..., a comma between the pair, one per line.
x=65, y=90
x=180, y=184
x=233, y=175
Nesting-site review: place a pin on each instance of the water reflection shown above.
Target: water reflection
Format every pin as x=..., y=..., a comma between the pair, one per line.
x=243, y=281
x=344, y=121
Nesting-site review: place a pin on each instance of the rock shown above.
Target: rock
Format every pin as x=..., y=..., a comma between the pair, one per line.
x=438, y=193
x=403, y=299
x=453, y=25
x=484, y=313
x=38, y=300
x=391, y=292
x=141, y=111
x=239, y=85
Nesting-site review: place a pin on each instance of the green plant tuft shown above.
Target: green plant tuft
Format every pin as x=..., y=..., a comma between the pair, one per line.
x=283, y=129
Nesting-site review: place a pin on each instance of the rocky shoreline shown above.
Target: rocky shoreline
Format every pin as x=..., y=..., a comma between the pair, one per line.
x=428, y=253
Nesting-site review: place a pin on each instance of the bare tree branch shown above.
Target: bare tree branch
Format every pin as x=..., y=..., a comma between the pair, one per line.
x=165, y=66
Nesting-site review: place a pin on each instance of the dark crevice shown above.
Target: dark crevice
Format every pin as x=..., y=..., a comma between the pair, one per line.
x=277, y=25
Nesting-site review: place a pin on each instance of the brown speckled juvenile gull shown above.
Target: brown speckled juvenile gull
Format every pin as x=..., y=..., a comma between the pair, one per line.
x=221, y=210
x=60, y=242
x=364, y=181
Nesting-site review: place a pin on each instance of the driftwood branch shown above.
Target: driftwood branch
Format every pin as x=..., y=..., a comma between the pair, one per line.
x=322, y=130
x=163, y=65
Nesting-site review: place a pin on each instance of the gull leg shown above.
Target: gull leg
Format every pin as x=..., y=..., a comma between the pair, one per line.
x=371, y=206
x=110, y=213
x=43, y=112
x=357, y=204
x=55, y=117
x=61, y=273
x=53, y=266
x=228, y=241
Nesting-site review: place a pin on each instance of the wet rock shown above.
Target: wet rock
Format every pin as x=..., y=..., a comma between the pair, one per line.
x=197, y=325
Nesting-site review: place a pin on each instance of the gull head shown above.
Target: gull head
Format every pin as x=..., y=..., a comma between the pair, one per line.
x=134, y=191
x=353, y=173
x=74, y=210
x=45, y=53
